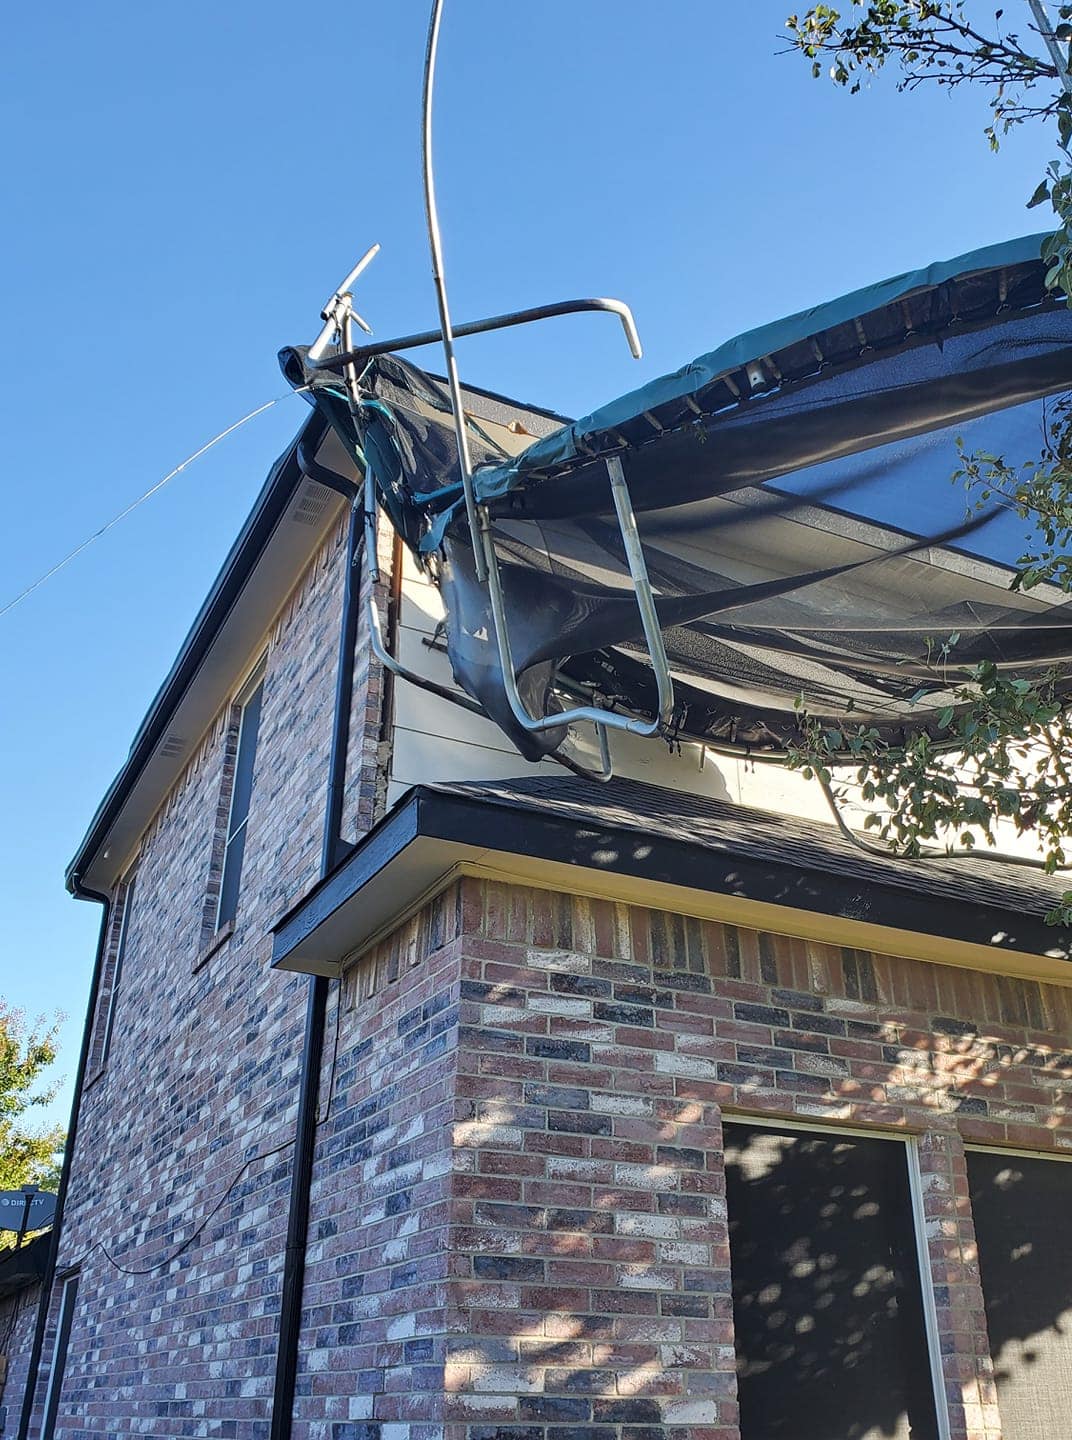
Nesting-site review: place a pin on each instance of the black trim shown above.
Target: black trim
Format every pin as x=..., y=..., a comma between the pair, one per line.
x=517, y=828
x=330, y=479
x=301, y=1178
x=64, y=1324
x=305, y=1125
x=372, y=854
x=283, y=479
x=344, y=688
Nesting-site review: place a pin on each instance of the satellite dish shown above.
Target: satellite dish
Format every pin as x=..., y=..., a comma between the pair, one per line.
x=26, y=1209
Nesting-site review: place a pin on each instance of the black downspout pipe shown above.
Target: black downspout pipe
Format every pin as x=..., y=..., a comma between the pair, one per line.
x=286, y=1367
x=48, y=1278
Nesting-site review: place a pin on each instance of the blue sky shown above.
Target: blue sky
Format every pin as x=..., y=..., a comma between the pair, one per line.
x=184, y=185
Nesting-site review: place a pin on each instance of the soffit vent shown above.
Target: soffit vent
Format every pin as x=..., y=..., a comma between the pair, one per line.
x=172, y=746
x=312, y=504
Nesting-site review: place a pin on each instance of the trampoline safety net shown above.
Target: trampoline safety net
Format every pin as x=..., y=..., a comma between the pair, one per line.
x=794, y=498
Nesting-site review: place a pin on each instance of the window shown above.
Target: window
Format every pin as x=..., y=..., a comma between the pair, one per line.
x=111, y=978
x=241, y=790
x=68, y=1295
x=828, y=1311
x=117, y=970
x=1021, y=1205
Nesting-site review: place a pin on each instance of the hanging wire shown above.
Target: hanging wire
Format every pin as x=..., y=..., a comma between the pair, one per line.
x=196, y=1233
x=73, y=554
x=854, y=837
x=210, y=1215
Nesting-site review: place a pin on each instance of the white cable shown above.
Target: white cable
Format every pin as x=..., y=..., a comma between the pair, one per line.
x=142, y=499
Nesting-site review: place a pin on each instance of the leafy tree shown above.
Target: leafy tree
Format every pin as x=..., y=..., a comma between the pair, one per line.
x=1001, y=751
x=28, y=1155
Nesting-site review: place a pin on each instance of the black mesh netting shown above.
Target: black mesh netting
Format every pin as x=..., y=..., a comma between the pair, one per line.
x=800, y=522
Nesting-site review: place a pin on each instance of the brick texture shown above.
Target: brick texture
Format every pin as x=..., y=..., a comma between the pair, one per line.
x=18, y=1314
x=378, y=1267
x=518, y=1216
x=185, y=1134
x=588, y=1284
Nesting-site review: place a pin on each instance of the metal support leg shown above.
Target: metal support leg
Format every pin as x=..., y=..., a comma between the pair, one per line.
x=379, y=649
x=339, y=317
x=1053, y=45
x=603, y=719
x=638, y=569
x=339, y=305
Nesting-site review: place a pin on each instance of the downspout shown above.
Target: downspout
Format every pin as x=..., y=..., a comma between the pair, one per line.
x=332, y=850
x=49, y=1276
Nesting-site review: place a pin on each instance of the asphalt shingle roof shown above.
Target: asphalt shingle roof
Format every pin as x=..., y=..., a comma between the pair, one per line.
x=743, y=831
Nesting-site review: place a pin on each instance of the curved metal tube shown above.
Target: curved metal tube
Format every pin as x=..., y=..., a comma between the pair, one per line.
x=333, y=311
x=602, y=719
x=649, y=616
x=602, y=304
x=485, y=561
x=1026, y=862
x=1045, y=29
x=435, y=243
x=376, y=642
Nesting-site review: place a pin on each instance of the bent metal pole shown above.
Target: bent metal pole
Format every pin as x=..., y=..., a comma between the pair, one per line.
x=1053, y=45
x=435, y=243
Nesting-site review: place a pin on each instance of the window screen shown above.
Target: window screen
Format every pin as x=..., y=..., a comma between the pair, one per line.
x=68, y=1295
x=827, y=1305
x=1023, y=1225
x=240, y=797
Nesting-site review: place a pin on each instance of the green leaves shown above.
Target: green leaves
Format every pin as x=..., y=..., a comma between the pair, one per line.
x=1000, y=753
x=1038, y=490
x=932, y=43
x=999, y=750
x=28, y=1153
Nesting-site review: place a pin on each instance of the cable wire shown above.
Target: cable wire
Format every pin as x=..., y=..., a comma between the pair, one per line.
x=1027, y=862
x=196, y=1233
x=207, y=1219
x=60, y=564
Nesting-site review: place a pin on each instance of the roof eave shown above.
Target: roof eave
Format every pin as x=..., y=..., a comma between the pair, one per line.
x=268, y=509
x=431, y=838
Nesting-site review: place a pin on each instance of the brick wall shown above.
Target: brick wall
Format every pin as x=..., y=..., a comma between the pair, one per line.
x=18, y=1314
x=518, y=1227
x=194, y=1108
x=378, y=1267
x=587, y=1288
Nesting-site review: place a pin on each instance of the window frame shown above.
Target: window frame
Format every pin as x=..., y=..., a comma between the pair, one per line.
x=1011, y=1152
x=111, y=974
x=64, y=1325
x=253, y=684
x=108, y=1023
x=910, y=1145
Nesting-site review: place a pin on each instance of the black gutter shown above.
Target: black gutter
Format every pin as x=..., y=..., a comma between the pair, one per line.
x=333, y=849
x=268, y=510
x=48, y=1278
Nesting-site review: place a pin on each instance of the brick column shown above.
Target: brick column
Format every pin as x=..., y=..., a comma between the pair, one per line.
x=589, y=1261
x=962, y=1334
